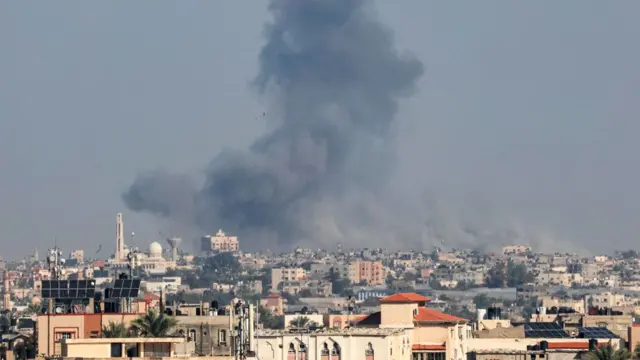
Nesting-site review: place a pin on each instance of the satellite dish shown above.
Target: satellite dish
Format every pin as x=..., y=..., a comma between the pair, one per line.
x=58, y=310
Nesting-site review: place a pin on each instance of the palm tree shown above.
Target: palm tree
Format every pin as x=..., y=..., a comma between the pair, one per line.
x=115, y=330
x=303, y=322
x=608, y=353
x=34, y=308
x=153, y=324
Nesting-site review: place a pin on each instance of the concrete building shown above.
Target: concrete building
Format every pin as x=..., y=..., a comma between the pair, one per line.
x=209, y=330
x=53, y=328
x=370, y=272
x=516, y=249
x=220, y=242
x=78, y=255
x=404, y=328
x=334, y=344
x=274, y=303
x=103, y=348
x=280, y=275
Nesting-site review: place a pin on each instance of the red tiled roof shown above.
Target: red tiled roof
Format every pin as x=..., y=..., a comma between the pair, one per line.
x=273, y=295
x=405, y=298
x=572, y=345
x=426, y=347
x=426, y=315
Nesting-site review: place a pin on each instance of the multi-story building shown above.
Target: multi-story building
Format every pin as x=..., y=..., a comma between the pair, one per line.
x=53, y=327
x=209, y=328
x=371, y=272
x=516, y=249
x=78, y=255
x=274, y=303
x=220, y=242
x=280, y=275
x=403, y=329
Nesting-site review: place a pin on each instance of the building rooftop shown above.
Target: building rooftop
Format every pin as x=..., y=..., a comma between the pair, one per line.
x=352, y=331
x=431, y=315
x=174, y=340
x=400, y=298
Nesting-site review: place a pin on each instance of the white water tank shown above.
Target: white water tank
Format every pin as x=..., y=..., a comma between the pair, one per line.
x=481, y=314
x=542, y=310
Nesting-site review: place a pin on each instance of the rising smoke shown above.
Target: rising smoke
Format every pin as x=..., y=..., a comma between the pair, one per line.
x=320, y=175
x=333, y=78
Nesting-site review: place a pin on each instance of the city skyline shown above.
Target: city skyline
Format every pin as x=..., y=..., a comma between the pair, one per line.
x=523, y=117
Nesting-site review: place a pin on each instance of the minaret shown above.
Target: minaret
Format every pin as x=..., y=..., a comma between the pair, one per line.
x=119, y=256
x=7, y=293
x=36, y=257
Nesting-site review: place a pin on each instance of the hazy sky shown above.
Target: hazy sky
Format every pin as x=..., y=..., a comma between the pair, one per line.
x=526, y=110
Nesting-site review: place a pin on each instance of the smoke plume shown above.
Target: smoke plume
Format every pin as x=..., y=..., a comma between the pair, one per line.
x=333, y=79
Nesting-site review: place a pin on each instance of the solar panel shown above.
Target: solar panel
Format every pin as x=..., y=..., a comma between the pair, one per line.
x=542, y=326
x=597, y=333
x=544, y=331
x=125, y=288
x=68, y=289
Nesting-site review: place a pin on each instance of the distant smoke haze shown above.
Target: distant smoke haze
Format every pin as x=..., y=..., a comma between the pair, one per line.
x=320, y=175
x=333, y=79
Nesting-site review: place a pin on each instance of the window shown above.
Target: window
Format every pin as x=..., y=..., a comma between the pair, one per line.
x=292, y=348
x=192, y=335
x=325, y=350
x=65, y=335
x=222, y=337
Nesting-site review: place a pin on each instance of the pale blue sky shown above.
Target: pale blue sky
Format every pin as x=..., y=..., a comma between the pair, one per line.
x=526, y=108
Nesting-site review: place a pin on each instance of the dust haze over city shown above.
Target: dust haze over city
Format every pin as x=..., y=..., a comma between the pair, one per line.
x=403, y=125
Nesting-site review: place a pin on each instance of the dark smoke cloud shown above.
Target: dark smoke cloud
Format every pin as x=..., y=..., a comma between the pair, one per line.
x=334, y=78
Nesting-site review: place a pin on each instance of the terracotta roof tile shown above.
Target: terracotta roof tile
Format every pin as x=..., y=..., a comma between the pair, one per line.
x=573, y=345
x=405, y=298
x=431, y=315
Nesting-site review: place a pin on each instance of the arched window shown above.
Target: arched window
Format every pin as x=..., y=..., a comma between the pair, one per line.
x=368, y=353
x=324, y=353
x=335, y=352
x=292, y=352
x=222, y=337
x=192, y=335
x=303, y=351
x=325, y=350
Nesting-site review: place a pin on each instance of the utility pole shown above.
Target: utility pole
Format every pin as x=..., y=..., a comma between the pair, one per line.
x=241, y=329
x=55, y=262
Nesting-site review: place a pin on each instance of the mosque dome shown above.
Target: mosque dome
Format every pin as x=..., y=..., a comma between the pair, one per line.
x=155, y=250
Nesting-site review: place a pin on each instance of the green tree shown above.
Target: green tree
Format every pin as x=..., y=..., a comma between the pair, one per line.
x=497, y=276
x=482, y=301
x=636, y=352
x=223, y=267
x=302, y=322
x=268, y=320
x=153, y=324
x=34, y=308
x=115, y=330
x=608, y=353
x=509, y=274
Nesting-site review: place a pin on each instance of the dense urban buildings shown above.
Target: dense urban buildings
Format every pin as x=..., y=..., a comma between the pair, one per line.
x=318, y=304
